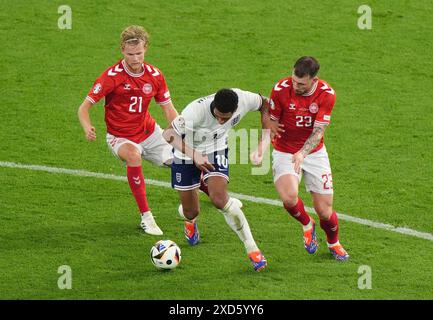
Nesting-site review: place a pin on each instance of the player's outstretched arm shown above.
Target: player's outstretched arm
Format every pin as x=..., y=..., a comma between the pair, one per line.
x=170, y=112
x=267, y=123
x=309, y=145
x=271, y=129
x=256, y=156
x=201, y=161
x=83, y=116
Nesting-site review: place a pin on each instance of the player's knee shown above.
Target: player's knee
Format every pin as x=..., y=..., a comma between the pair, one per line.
x=290, y=200
x=324, y=211
x=133, y=158
x=219, y=203
x=219, y=199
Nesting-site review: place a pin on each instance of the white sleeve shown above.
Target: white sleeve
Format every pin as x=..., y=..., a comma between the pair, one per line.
x=252, y=101
x=192, y=114
x=178, y=125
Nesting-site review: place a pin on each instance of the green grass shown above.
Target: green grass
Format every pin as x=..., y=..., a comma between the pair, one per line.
x=379, y=144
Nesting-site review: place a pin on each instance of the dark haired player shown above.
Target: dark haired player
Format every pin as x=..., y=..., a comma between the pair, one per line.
x=303, y=104
x=199, y=136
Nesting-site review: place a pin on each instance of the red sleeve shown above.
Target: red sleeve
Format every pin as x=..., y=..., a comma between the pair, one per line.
x=276, y=108
x=325, y=109
x=162, y=96
x=101, y=87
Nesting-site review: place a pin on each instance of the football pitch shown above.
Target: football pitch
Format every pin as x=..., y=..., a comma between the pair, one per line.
x=379, y=142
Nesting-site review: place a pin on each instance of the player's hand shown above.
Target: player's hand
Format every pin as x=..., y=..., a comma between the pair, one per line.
x=298, y=159
x=256, y=157
x=202, y=162
x=276, y=128
x=91, y=134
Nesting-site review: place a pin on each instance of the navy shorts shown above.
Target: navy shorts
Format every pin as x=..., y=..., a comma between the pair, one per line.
x=186, y=176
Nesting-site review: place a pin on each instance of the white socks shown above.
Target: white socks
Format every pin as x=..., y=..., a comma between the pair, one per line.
x=180, y=211
x=308, y=226
x=235, y=218
x=333, y=244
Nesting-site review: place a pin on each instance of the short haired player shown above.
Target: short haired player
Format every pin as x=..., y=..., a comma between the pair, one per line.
x=199, y=136
x=303, y=104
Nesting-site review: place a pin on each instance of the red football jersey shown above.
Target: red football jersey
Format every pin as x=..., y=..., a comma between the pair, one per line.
x=127, y=98
x=299, y=113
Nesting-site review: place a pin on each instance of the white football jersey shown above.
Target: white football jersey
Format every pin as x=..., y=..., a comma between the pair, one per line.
x=201, y=130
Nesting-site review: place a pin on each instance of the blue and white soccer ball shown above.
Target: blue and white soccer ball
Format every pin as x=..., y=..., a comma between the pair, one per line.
x=165, y=254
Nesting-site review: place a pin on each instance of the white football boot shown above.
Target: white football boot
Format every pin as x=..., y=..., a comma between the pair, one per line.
x=149, y=225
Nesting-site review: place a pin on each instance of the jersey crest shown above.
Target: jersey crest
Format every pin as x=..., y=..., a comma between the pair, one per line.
x=236, y=120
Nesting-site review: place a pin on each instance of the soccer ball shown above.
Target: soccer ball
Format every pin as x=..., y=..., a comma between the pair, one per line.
x=165, y=254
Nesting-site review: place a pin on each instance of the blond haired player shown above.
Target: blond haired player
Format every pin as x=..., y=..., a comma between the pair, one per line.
x=128, y=87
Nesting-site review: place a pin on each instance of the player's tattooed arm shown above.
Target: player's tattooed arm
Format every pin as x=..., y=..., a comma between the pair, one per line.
x=313, y=140
x=309, y=145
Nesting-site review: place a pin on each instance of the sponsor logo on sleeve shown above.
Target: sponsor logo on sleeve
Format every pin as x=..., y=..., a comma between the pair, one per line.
x=180, y=123
x=97, y=88
x=236, y=120
x=271, y=102
x=327, y=117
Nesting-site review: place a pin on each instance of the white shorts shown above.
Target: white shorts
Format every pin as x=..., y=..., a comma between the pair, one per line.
x=315, y=168
x=154, y=149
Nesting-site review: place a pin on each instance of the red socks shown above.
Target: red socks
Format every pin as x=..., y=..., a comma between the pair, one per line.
x=298, y=212
x=331, y=228
x=138, y=187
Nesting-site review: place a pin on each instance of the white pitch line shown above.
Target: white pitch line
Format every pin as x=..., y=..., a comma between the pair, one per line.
x=341, y=216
